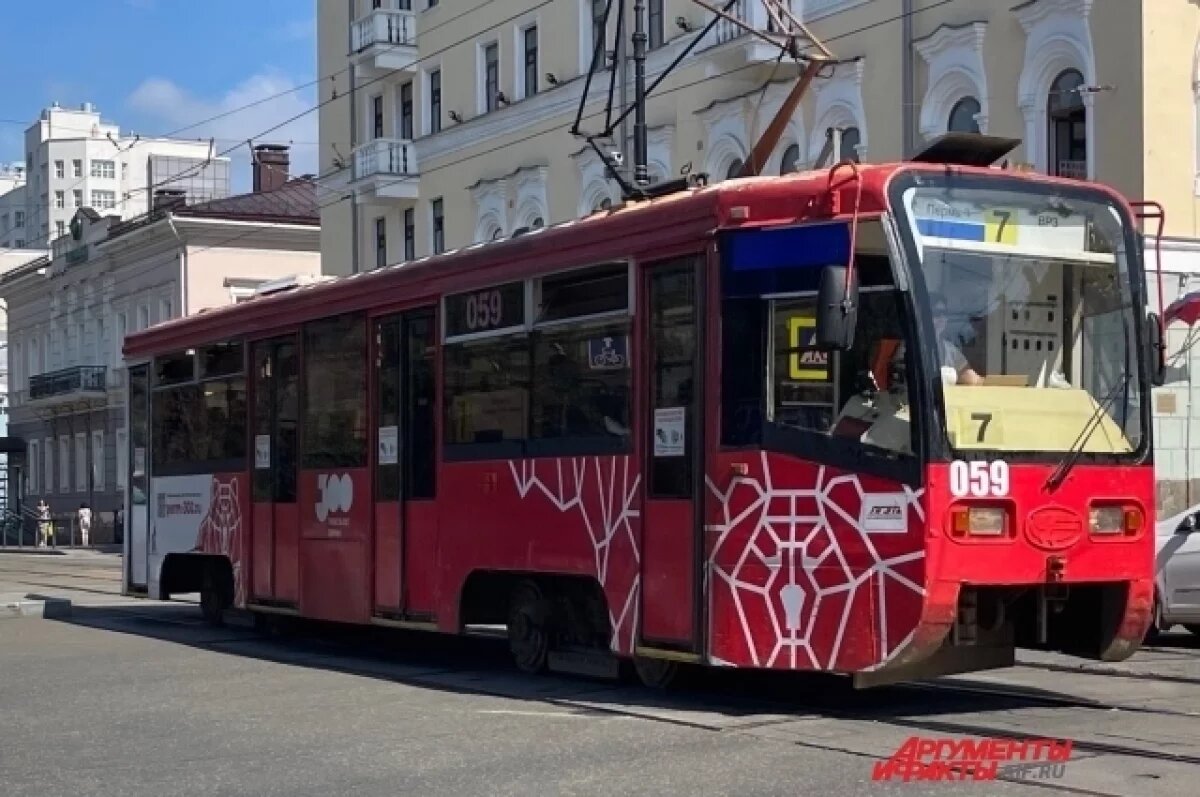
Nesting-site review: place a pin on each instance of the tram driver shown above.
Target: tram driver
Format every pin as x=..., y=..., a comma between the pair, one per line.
x=954, y=363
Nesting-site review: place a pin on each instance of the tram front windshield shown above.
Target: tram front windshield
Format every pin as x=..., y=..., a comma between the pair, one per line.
x=1031, y=314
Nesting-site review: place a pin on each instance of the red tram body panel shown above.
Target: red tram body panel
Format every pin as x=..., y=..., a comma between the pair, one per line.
x=682, y=474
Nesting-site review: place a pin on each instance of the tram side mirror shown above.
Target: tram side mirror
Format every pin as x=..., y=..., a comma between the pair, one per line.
x=837, y=309
x=1156, y=350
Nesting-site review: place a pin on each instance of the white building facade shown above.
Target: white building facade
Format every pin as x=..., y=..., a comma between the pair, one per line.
x=74, y=160
x=70, y=311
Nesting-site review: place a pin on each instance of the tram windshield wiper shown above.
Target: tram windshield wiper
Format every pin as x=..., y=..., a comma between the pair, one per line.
x=1072, y=456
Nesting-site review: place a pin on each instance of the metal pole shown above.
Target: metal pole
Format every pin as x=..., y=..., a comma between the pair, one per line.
x=623, y=62
x=641, y=175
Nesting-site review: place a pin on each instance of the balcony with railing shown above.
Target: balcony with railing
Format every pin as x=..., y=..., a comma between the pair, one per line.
x=1076, y=170
x=747, y=47
x=386, y=168
x=386, y=38
x=81, y=383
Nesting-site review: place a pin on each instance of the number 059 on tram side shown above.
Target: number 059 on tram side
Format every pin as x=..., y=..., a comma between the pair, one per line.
x=888, y=420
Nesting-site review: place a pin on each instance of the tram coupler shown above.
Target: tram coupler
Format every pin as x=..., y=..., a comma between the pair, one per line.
x=1051, y=598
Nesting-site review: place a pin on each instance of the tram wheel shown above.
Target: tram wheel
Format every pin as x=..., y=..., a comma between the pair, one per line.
x=529, y=628
x=656, y=673
x=215, y=596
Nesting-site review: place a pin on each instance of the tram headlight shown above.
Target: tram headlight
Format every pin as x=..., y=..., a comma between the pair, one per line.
x=980, y=521
x=1114, y=520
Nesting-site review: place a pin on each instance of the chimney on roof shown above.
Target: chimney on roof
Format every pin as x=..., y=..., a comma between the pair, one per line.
x=271, y=164
x=167, y=198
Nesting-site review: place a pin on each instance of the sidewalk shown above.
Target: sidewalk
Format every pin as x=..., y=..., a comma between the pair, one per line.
x=77, y=550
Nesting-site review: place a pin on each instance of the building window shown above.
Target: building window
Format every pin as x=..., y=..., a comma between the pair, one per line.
x=60, y=229
x=962, y=116
x=122, y=459
x=60, y=169
x=656, y=30
x=435, y=101
x=491, y=76
x=60, y=199
x=143, y=317
x=81, y=462
x=77, y=168
x=530, y=38
x=119, y=338
x=380, y=242
x=406, y=111
x=31, y=467
x=734, y=169
x=104, y=200
x=791, y=160
x=1068, y=126
x=77, y=198
x=20, y=243
x=64, y=464
x=18, y=219
x=439, y=227
x=598, y=29
x=377, y=116
x=851, y=140
x=105, y=169
x=47, y=465
x=98, y=460
x=410, y=234
x=164, y=310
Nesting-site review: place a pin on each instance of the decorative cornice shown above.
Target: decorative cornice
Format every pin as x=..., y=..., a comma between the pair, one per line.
x=1035, y=11
x=948, y=37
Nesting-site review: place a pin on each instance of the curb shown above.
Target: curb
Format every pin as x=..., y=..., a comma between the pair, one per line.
x=31, y=551
x=16, y=608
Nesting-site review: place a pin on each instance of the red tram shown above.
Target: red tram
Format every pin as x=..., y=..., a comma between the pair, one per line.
x=886, y=420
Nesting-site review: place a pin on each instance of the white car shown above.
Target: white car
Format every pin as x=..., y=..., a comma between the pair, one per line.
x=1177, y=572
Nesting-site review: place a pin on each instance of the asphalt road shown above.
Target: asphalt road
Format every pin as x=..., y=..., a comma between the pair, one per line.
x=139, y=698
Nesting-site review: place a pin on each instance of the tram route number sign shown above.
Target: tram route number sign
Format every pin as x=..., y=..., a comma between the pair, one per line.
x=485, y=310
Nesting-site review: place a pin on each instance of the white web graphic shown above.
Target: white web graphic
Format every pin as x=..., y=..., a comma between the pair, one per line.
x=603, y=493
x=807, y=554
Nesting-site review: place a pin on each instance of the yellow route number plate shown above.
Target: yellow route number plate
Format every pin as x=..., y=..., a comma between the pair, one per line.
x=1000, y=226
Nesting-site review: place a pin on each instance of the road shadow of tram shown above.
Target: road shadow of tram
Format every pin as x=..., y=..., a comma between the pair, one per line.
x=483, y=666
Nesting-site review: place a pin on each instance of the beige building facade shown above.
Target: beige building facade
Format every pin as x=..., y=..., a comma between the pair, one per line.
x=69, y=312
x=446, y=124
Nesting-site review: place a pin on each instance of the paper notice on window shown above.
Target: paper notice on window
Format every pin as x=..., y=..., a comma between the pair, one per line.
x=389, y=445
x=139, y=461
x=670, y=431
x=262, y=452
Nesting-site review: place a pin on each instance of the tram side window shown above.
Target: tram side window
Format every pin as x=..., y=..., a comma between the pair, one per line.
x=487, y=391
x=581, y=371
x=335, y=397
x=486, y=373
x=199, y=427
x=775, y=383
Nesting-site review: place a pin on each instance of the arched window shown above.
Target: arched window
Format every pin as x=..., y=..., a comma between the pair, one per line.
x=604, y=204
x=962, y=116
x=496, y=235
x=734, y=169
x=1068, y=126
x=537, y=223
x=851, y=139
x=791, y=160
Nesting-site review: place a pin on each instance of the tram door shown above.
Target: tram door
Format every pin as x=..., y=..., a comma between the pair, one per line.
x=276, y=529
x=673, y=456
x=404, y=465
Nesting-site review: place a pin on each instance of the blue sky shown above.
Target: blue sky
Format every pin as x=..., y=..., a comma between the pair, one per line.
x=153, y=66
